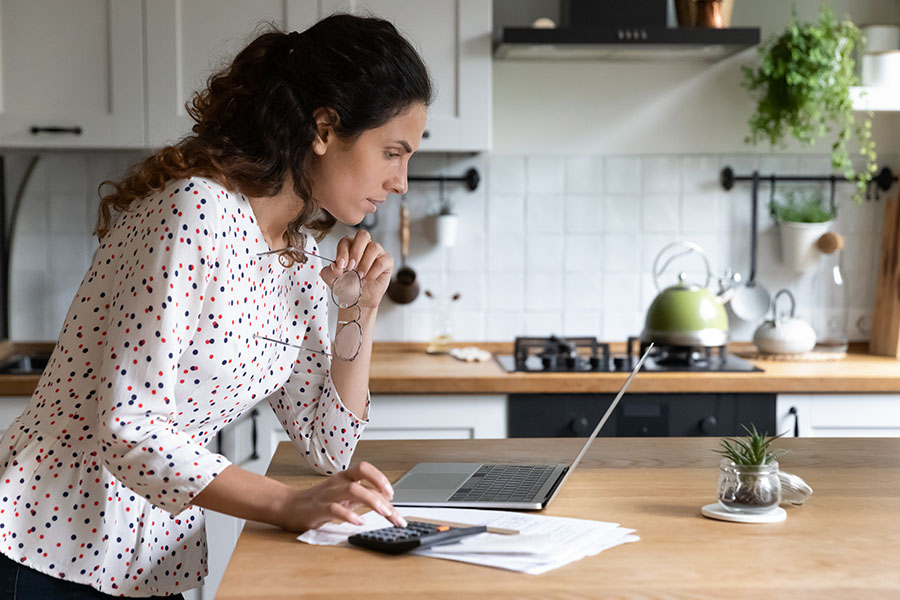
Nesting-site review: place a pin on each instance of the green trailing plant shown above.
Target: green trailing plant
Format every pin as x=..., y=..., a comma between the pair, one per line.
x=801, y=206
x=802, y=88
x=751, y=450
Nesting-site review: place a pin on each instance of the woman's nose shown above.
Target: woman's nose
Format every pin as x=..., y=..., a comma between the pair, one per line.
x=398, y=184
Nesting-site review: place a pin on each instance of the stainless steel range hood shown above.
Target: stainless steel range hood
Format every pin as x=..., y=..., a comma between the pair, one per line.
x=623, y=43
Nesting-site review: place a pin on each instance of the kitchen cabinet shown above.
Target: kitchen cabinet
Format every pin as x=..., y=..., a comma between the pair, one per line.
x=10, y=408
x=189, y=40
x=71, y=74
x=454, y=38
x=838, y=415
x=417, y=416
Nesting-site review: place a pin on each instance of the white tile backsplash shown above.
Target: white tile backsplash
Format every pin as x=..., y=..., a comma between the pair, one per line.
x=622, y=175
x=622, y=213
x=584, y=214
x=584, y=175
x=546, y=175
x=544, y=213
x=547, y=244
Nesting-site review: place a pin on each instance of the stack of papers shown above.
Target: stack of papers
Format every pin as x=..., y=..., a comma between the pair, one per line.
x=543, y=543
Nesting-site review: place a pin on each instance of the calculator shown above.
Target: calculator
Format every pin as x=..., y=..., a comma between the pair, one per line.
x=397, y=540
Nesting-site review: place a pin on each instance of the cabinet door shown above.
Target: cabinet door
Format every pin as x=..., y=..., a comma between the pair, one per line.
x=71, y=74
x=454, y=38
x=189, y=40
x=411, y=417
x=839, y=415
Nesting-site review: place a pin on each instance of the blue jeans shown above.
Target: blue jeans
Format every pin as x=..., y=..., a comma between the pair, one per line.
x=18, y=582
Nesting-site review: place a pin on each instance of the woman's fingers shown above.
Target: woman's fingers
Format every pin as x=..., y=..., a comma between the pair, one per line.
x=372, y=253
x=368, y=472
x=358, y=247
x=340, y=511
x=377, y=502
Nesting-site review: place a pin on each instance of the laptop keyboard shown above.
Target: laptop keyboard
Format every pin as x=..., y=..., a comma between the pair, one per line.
x=503, y=483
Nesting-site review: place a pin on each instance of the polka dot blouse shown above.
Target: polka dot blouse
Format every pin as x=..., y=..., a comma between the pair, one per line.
x=156, y=355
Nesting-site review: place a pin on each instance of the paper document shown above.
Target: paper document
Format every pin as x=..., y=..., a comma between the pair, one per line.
x=544, y=543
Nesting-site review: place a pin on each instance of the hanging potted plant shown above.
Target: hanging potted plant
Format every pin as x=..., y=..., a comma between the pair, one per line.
x=446, y=222
x=803, y=217
x=802, y=88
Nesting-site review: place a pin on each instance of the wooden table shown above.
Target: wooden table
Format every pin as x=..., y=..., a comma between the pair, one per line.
x=845, y=542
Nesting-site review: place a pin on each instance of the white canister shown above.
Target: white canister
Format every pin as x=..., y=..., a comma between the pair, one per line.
x=881, y=69
x=880, y=38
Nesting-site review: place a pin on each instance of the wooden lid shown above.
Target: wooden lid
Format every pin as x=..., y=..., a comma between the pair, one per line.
x=830, y=243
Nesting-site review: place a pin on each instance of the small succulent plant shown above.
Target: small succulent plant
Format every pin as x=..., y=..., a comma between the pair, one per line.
x=751, y=450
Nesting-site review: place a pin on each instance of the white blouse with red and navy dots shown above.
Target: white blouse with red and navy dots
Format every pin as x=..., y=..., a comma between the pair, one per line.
x=156, y=355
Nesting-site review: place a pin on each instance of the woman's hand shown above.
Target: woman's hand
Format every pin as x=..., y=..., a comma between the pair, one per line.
x=367, y=258
x=338, y=496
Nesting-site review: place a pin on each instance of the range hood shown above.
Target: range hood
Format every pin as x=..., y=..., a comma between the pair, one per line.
x=623, y=43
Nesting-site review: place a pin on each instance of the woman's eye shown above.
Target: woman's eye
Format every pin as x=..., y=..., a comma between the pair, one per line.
x=392, y=155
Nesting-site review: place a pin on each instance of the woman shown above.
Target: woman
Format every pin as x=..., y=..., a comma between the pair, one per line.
x=205, y=284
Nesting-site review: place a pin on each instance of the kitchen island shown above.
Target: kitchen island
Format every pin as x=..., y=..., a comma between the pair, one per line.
x=843, y=542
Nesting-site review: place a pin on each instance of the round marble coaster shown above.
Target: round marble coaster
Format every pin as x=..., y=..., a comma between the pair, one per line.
x=715, y=511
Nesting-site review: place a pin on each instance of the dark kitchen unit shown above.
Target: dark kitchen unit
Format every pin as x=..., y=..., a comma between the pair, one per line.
x=638, y=414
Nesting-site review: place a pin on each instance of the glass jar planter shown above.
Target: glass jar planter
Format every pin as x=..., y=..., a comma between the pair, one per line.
x=748, y=489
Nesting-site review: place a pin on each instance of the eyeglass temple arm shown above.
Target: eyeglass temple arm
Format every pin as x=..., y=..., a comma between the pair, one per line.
x=292, y=249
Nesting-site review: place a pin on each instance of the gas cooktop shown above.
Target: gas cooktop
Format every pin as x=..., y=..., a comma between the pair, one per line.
x=556, y=354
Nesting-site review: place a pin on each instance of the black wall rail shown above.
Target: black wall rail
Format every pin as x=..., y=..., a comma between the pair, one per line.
x=883, y=180
x=471, y=178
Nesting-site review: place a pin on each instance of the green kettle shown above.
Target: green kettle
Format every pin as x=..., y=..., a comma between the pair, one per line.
x=686, y=314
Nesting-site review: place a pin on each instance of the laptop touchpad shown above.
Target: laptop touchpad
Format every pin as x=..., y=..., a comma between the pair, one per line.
x=434, y=482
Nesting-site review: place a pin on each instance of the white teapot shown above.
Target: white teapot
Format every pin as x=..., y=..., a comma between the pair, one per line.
x=784, y=335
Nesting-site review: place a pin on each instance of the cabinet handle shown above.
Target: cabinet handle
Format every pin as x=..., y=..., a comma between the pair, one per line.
x=253, y=434
x=793, y=411
x=37, y=130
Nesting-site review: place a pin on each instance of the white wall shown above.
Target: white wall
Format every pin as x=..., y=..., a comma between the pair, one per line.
x=596, y=166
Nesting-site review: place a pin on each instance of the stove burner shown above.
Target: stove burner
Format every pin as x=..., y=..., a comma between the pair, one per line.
x=557, y=354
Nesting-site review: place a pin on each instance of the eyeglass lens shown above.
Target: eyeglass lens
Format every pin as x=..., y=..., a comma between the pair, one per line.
x=346, y=289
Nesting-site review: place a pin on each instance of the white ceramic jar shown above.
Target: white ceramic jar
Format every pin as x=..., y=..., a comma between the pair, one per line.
x=880, y=38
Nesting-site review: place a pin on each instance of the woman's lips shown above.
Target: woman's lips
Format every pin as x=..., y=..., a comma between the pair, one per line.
x=374, y=203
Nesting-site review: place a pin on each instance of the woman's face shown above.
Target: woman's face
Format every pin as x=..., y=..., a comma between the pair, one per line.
x=352, y=179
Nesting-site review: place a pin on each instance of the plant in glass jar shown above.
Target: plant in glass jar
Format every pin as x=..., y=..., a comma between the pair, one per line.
x=748, y=473
x=802, y=88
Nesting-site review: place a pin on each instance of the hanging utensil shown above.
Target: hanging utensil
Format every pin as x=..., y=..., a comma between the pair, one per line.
x=751, y=301
x=404, y=287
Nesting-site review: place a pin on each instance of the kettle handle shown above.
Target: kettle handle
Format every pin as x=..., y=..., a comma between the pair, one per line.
x=775, y=304
x=691, y=248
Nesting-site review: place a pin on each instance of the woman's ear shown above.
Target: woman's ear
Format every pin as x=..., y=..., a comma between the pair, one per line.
x=326, y=120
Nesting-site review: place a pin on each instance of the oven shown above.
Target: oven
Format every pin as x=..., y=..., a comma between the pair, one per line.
x=638, y=414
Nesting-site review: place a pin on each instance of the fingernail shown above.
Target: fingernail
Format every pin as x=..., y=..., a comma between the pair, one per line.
x=340, y=263
x=389, y=491
x=352, y=263
x=384, y=510
x=402, y=521
x=358, y=521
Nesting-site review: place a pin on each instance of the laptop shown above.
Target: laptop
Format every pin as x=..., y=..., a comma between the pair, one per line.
x=474, y=485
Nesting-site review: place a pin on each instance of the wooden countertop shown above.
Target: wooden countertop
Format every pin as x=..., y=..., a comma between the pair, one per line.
x=843, y=542
x=405, y=368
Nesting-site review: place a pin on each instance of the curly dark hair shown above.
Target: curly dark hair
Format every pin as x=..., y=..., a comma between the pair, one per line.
x=254, y=121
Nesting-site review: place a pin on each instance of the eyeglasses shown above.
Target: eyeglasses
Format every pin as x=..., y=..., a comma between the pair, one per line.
x=346, y=291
